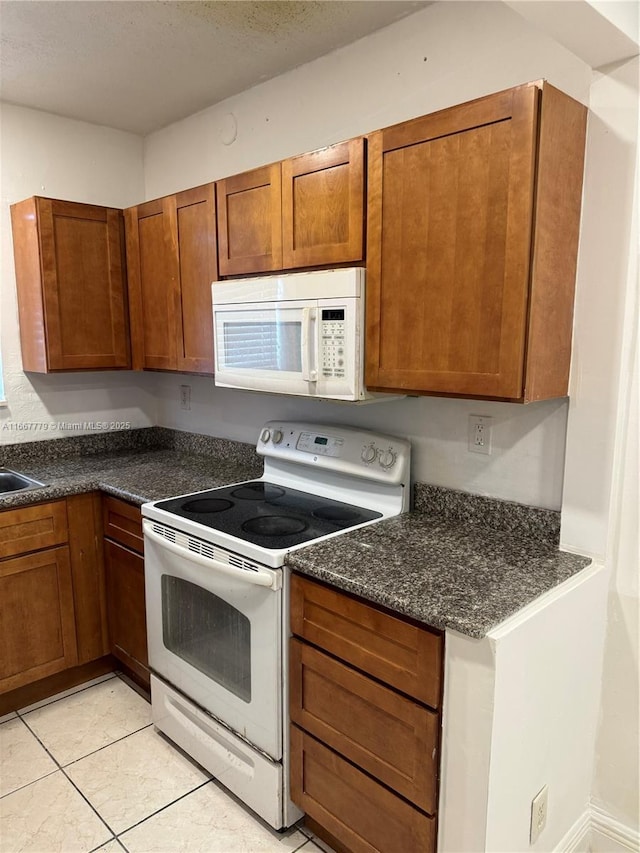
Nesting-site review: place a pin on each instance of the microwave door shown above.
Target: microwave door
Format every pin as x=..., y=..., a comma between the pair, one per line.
x=269, y=347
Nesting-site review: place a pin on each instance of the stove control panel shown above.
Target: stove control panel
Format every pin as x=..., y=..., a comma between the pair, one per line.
x=325, y=445
x=338, y=448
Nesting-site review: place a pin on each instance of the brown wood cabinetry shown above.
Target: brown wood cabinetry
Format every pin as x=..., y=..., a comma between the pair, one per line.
x=365, y=694
x=38, y=632
x=70, y=276
x=124, y=563
x=249, y=214
x=473, y=224
x=305, y=211
x=84, y=515
x=51, y=589
x=171, y=258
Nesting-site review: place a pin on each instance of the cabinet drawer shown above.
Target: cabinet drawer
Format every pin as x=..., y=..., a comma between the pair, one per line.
x=123, y=523
x=31, y=528
x=385, y=733
x=390, y=649
x=355, y=809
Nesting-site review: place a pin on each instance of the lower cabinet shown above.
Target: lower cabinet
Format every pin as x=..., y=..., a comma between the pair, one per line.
x=365, y=696
x=38, y=635
x=52, y=605
x=124, y=566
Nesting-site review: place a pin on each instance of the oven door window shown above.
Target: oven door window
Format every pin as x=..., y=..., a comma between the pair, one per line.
x=208, y=633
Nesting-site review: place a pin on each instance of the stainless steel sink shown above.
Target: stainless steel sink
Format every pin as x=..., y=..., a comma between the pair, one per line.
x=12, y=481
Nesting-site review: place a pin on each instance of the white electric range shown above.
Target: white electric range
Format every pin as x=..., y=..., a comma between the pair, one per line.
x=218, y=597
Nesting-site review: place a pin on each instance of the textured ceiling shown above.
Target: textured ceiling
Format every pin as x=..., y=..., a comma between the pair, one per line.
x=139, y=65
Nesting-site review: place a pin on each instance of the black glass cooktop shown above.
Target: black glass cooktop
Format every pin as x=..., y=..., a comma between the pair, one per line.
x=268, y=515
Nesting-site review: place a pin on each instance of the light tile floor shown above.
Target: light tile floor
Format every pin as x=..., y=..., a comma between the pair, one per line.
x=86, y=770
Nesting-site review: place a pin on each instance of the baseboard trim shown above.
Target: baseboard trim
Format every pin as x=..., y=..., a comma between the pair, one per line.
x=577, y=840
x=609, y=835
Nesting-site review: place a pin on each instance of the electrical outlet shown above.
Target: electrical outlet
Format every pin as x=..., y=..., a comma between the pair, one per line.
x=480, y=434
x=185, y=397
x=538, y=814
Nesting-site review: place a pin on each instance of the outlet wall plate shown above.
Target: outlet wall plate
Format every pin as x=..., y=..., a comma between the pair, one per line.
x=185, y=397
x=479, y=436
x=538, y=814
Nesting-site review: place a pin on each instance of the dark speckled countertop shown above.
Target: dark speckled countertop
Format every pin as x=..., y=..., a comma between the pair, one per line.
x=456, y=561
x=140, y=466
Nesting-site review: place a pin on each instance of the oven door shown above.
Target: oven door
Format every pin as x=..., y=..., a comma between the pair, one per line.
x=267, y=346
x=214, y=633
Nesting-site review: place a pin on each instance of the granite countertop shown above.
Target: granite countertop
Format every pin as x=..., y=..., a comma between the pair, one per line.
x=457, y=561
x=152, y=465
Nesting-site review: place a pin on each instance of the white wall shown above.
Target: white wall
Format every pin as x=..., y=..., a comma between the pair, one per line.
x=42, y=154
x=520, y=712
x=600, y=505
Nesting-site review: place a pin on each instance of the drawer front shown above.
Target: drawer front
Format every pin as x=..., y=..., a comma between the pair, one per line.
x=123, y=523
x=355, y=809
x=389, y=648
x=383, y=732
x=31, y=528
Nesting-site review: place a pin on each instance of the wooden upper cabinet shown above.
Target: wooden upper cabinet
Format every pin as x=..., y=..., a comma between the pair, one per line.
x=249, y=221
x=171, y=254
x=473, y=222
x=70, y=276
x=323, y=206
x=305, y=211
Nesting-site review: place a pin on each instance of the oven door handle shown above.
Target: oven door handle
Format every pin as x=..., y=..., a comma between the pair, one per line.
x=257, y=577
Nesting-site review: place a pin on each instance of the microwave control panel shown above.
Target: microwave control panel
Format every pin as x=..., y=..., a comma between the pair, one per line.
x=332, y=343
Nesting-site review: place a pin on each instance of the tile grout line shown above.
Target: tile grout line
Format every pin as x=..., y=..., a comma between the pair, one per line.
x=65, y=695
x=57, y=763
x=60, y=769
x=93, y=752
x=162, y=808
x=94, y=810
x=105, y=746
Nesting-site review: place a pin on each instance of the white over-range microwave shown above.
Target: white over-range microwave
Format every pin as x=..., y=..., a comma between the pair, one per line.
x=294, y=333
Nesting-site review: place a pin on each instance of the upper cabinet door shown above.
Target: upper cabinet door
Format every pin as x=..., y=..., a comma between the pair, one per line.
x=249, y=221
x=70, y=275
x=194, y=230
x=455, y=218
x=323, y=206
x=171, y=253
x=153, y=286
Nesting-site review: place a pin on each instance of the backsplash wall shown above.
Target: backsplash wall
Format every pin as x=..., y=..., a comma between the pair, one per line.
x=528, y=442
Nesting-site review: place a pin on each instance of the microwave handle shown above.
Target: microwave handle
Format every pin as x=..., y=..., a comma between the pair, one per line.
x=308, y=343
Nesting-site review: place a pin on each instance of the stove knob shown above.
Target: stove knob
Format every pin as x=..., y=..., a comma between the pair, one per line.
x=368, y=454
x=388, y=459
x=265, y=435
x=277, y=436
